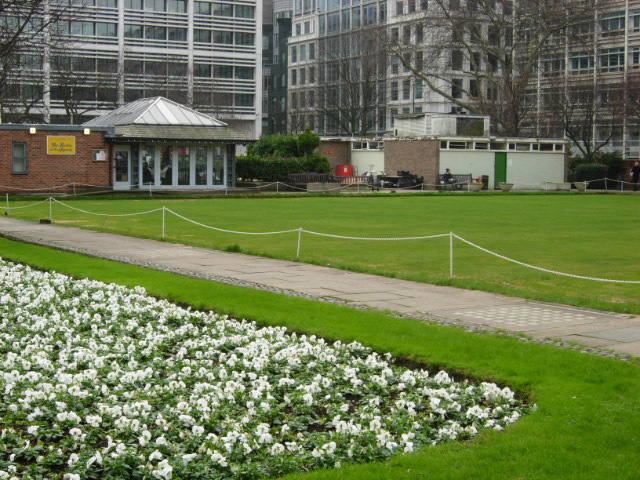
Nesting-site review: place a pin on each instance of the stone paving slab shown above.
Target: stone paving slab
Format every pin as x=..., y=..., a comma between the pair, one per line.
x=469, y=308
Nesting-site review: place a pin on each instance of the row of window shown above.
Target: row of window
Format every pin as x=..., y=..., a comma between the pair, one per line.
x=300, y=76
x=223, y=37
x=352, y=18
x=411, y=6
x=177, y=6
x=311, y=48
x=203, y=70
x=407, y=92
x=613, y=24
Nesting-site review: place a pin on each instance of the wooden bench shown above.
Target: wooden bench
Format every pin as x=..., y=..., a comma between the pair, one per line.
x=459, y=180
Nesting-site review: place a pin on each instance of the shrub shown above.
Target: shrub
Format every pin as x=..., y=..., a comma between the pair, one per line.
x=590, y=171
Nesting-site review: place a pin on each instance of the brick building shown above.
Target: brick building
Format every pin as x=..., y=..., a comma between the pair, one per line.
x=151, y=143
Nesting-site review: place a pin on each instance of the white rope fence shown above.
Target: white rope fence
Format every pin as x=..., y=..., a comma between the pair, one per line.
x=301, y=230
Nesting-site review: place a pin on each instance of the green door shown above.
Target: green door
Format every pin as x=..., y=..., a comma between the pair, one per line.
x=500, y=169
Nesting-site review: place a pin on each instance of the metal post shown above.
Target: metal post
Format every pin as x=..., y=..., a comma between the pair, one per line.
x=50, y=212
x=450, y=255
x=74, y=189
x=150, y=189
x=7, y=212
x=277, y=186
x=163, y=221
x=299, y=239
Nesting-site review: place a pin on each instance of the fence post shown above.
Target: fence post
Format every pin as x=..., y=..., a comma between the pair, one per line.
x=7, y=212
x=277, y=186
x=74, y=189
x=299, y=240
x=163, y=221
x=450, y=255
x=50, y=212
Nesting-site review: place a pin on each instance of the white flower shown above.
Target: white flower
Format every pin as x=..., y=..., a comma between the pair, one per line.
x=156, y=455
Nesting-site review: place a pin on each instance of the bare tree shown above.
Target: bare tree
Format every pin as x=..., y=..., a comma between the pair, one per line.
x=587, y=111
x=350, y=72
x=483, y=55
x=83, y=84
x=24, y=35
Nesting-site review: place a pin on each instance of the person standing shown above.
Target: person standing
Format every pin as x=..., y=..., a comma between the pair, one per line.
x=635, y=175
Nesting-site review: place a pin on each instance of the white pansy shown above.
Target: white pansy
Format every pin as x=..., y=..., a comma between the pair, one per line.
x=145, y=370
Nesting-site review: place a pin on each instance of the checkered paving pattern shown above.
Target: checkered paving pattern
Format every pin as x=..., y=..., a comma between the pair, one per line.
x=525, y=315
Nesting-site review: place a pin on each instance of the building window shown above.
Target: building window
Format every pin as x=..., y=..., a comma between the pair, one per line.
x=294, y=77
x=394, y=65
x=303, y=76
x=612, y=59
x=154, y=5
x=298, y=30
x=223, y=37
x=473, y=88
x=132, y=31
x=244, y=38
x=418, y=92
x=634, y=57
x=178, y=6
x=201, y=36
x=456, y=88
x=201, y=70
x=222, y=10
x=612, y=24
x=19, y=158
x=406, y=90
x=312, y=51
x=245, y=73
x=394, y=90
x=312, y=74
x=394, y=113
x=294, y=54
x=399, y=7
x=202, y=8
x=635, y=21
x=419, y=33
x=411, y=6
x=245, y=11
x=582, y=63
x=244, y=100
x=303, y=53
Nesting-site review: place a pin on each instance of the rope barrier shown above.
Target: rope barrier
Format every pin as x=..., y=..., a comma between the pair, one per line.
x=300, y=230
x=105, y=214
x=26, y=206
x=375, y=239
x=228, y=231
x=636, y=282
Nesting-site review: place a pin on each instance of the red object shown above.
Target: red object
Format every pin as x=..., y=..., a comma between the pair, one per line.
x=344, y=171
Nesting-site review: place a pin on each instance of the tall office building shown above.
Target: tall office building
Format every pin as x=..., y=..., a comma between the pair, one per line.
x=202, y=54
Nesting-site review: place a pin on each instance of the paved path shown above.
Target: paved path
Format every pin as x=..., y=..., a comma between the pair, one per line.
x=469, y=308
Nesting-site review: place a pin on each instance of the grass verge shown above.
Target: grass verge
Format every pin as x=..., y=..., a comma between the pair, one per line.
x=588, y=420
x=589, y=235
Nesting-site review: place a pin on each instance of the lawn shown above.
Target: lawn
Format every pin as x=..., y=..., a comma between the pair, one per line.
x=586, y=424
x=588, y=235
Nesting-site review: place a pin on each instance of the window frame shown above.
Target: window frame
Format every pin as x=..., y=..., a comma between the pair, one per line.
x=14, y=158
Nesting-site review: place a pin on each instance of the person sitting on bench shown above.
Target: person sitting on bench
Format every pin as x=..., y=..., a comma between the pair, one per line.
x=447, y=177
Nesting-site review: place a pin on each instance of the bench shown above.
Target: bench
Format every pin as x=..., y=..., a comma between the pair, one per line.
x=459, y=180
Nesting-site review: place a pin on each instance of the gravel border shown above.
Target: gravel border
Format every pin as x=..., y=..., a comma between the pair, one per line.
x=433, y=319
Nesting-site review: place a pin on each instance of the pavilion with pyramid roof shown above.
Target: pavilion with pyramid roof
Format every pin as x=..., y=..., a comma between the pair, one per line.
x=157, y=143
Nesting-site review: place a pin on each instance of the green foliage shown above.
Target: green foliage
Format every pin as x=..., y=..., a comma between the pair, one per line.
x=590, y=171
x=274, y=157
x=307, y=142
x=281, y=145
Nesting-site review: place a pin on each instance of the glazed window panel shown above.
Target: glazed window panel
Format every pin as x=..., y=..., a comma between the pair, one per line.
x=148, y=158
x=217, y=170
x=19, y=158
x=184, y=166
x=201, y=165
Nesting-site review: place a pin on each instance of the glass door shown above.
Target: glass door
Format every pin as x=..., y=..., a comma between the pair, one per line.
x=121, y=167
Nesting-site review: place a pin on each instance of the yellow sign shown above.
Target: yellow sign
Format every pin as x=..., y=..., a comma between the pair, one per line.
x=61, y=145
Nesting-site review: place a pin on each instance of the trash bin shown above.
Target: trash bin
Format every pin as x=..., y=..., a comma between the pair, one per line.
x=485, y=182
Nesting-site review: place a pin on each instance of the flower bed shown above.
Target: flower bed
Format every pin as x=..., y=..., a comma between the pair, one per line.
x=101, y=381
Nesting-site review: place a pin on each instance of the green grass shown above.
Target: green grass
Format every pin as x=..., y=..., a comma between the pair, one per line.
x=588, y=420
x=589, y=235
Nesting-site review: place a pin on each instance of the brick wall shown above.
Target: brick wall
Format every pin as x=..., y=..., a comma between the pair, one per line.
x=46, y=171
x=419, y=157
x=338, y=152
